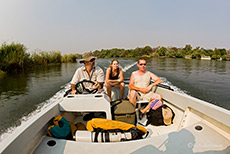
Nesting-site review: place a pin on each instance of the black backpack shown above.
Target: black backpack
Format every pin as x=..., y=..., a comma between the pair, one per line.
x=155, y=117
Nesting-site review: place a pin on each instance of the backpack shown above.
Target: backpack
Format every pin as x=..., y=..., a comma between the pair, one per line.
x=123, y=110
x=61, y=128
x=163, y=115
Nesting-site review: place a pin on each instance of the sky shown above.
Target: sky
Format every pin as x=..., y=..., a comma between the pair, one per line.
x=79, y=26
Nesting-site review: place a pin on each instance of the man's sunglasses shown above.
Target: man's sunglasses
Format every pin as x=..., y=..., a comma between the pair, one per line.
x=143, y=64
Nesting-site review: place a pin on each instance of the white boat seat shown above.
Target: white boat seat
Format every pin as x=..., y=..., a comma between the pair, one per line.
x=86, y=103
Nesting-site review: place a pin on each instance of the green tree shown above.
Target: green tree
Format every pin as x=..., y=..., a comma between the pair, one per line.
x=162, y=51
x=147, y=50
x=187, y=49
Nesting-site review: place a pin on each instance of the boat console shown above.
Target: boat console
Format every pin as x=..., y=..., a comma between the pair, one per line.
x=86, y=103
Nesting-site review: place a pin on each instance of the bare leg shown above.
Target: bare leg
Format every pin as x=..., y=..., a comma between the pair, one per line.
x=155, y=96
x=133, y=97
x=108, y=88
x=122, y=87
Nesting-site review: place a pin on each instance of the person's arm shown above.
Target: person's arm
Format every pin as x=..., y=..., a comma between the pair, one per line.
x=107, y=75
x=73, y=82
x=156, y=79
x=74, y=91
x=121, y=79
x=100, y=79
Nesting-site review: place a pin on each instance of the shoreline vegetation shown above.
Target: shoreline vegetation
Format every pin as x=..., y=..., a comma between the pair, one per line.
x=13, y=57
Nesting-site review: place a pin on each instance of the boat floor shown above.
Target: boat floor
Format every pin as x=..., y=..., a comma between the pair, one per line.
x=186, y=140
x=188, y=134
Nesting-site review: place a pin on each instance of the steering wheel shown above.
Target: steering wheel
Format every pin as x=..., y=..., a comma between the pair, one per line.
x=81, y=89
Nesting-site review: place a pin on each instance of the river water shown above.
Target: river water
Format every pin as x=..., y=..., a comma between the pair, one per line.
x=23, y=94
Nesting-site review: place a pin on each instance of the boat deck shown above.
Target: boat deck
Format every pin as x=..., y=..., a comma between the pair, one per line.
x=186, y=140
x=198, y=127
x=189, y=133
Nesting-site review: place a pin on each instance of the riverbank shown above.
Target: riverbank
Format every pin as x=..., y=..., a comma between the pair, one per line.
x=14, y=57
x=162, y=52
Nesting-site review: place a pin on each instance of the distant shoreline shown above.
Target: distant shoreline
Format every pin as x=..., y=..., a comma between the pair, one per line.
x=13, y=57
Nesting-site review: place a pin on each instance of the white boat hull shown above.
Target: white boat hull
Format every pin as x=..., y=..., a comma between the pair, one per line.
x=198, y=127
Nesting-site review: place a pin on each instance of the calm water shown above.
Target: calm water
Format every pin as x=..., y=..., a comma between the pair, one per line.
x=22, y=93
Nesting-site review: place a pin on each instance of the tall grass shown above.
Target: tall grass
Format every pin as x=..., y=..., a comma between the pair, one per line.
x=13, y=56
x=71, y=58
x=44, y=58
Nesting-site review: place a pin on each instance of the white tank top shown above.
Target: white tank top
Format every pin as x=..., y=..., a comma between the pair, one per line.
x=141, y=81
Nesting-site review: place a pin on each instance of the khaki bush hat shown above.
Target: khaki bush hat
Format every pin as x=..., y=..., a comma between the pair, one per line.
x=167, y=115
x=87, y=57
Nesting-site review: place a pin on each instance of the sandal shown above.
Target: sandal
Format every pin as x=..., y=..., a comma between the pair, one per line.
x=141, y=115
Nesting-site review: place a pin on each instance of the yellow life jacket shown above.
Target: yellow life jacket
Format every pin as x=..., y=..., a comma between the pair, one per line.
x=98, y=125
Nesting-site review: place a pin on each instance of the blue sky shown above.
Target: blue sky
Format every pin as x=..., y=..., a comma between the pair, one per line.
x=78, y=26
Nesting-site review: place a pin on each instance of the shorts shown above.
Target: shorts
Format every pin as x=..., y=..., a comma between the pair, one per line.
x=148, y=96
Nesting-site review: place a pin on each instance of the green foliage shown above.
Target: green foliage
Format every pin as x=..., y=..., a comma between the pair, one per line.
x=42, y=57
x=187, y=49
x=162, y=51
x=155, y=54
x=180, y=54
x=13, y=56
x=71, y=58
x=2, y=73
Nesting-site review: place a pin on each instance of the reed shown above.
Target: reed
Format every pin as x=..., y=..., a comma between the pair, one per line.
x=71, y=58
x=13, y=57
x=45, y=58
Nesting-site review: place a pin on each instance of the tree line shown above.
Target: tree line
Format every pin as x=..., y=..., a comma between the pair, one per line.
x=14, y=56
x=174, y=52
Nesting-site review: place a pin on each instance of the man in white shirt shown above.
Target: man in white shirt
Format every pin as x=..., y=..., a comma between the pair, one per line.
x=88, y=72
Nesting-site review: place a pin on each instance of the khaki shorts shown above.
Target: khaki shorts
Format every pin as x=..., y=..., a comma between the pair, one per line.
x=148, y=96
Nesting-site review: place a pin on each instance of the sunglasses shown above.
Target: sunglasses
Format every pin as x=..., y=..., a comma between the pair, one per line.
x=143, y=64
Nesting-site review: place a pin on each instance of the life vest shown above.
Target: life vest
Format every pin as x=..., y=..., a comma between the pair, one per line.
x=99, y=125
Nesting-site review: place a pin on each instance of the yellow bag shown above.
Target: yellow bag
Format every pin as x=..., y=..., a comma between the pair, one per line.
x=111, y=125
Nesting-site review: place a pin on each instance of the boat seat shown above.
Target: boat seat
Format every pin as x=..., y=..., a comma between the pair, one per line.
x=141, y=102
x=115, y=94
x=86, y=103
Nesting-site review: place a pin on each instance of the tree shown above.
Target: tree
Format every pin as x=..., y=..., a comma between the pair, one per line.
x=162, y=51
x=187, y=49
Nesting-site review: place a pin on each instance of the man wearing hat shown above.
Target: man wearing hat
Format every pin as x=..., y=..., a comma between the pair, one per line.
x=88, y=72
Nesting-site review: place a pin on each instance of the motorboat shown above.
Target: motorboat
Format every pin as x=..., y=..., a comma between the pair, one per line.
x=198, y=127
